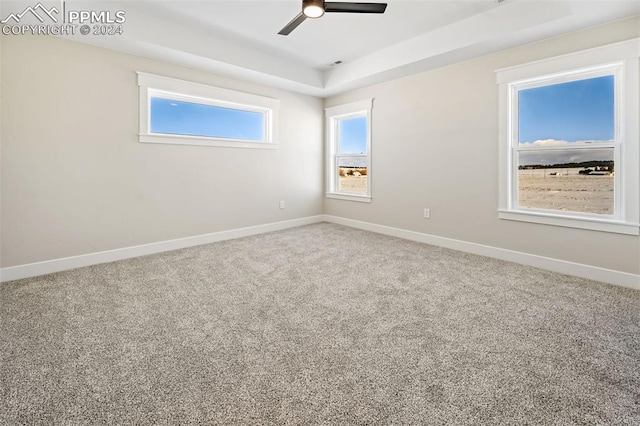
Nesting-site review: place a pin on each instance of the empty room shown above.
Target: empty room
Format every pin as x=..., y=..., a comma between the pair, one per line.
x=320, y=212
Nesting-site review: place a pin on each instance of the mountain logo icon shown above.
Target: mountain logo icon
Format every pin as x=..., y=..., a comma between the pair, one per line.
x=37, y=11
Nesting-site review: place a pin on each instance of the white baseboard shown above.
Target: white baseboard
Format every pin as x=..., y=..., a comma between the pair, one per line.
x=570, y=268
x=56, y=265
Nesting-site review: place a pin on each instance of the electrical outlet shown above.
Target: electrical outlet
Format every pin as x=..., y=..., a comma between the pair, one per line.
x=427, y=214
x=282, y=204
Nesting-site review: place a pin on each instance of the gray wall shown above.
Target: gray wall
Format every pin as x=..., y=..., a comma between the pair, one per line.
x=435, y=145
x=75, y=180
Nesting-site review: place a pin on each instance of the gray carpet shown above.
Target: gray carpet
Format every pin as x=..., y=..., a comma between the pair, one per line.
x=318, y=325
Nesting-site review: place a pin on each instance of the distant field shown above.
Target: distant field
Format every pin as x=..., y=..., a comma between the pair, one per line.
x=539, y=189
x=566, y=191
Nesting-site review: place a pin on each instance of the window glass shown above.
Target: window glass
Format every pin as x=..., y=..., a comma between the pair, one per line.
x=576, y=111
x=352, y=175
x=352, y=135
x=576, y=180
x=169, y=116
x=560, y=125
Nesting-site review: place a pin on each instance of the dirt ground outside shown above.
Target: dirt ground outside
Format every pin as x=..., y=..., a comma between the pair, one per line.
x=353, y=184
x=566, y=190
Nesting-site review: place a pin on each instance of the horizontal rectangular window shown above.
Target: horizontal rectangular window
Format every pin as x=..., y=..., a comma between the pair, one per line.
x=179, y=112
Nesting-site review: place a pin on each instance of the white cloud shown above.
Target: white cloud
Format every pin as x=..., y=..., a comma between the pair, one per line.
x=547, y=142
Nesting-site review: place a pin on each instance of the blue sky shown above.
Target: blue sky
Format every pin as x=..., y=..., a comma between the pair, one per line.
x=186, y=118
x=353, y=136
x=575, y=111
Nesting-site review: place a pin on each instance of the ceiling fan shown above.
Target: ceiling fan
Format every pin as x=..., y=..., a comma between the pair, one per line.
x=317, y=8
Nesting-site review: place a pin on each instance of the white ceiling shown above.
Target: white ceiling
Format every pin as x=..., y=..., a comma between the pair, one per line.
x=239, y=37
x=319, y=42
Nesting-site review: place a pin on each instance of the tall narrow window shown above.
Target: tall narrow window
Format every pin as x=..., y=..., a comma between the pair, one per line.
x=569, y=140
x=348, y=149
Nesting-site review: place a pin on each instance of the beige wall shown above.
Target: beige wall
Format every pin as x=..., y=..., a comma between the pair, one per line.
x=435, y=145
x=75, y=180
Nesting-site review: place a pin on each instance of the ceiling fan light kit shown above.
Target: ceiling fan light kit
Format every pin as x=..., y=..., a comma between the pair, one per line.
x=317, y=8
x=313, y=8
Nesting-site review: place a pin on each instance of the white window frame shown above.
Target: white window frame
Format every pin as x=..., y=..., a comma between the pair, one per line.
x=361, y=108
x=620, y=60
x=151, y=85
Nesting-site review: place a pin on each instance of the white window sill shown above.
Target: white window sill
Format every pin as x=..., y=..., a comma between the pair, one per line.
x=349, y=197
x=593, y=224
x=203, y=141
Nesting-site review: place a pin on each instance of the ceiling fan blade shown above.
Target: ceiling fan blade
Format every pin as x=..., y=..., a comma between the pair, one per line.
x=293, y=24
x=334, y=6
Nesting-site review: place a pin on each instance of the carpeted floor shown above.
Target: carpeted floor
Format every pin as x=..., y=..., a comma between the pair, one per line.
x=321, y=324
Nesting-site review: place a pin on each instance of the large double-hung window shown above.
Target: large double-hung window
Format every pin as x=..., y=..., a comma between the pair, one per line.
x=569, y=140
